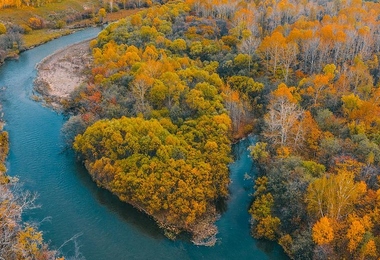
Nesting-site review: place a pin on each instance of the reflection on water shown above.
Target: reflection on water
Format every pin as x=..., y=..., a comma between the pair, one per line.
x=125, y=212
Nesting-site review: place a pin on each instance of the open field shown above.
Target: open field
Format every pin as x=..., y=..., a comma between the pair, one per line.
x=67, y=10
x=41, y=36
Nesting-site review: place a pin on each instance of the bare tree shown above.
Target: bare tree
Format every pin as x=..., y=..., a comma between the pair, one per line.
x=140, y=87
x=283, y=122
x=19, y=240
x=249, y=46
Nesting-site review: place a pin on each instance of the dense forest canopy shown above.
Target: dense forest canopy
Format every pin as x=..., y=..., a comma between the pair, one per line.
x=163, y=143
x=304, y=75
x=172, y=86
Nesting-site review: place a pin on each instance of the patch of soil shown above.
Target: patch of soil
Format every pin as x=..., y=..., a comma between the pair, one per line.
x=60, y=73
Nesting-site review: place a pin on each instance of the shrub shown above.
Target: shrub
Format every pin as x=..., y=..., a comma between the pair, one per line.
x=3, y=29
x=26, y=28
x=60, y=24
x=36, y=23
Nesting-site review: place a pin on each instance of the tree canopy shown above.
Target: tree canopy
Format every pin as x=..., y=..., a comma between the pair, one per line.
x=171, y=86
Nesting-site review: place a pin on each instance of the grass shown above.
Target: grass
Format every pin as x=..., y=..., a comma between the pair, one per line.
x=38, y=37
x=21, y=15
x=60, y=10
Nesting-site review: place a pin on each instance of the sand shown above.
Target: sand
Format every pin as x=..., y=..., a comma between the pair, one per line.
x=60, y=73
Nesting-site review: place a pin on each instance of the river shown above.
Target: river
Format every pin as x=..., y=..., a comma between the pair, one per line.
x=74, y=205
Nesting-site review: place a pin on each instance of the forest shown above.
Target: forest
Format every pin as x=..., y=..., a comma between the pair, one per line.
x=160, y=138
x=174, y=85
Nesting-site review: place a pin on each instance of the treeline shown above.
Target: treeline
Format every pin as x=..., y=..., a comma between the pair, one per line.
x=21, y=3
x=110, y=4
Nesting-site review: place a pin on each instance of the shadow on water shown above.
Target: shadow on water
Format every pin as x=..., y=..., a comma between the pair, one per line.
x=268, y=247
x=126, y=212
x=221, y=205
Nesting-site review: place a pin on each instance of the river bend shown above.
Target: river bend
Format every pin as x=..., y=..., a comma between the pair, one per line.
x=108, y=229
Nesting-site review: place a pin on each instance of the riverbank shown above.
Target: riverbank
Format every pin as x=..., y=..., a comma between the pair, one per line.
x=4, y=147
x=13, y=203
x=76, y=205
x=38, y=37
x=56, y=21
x=61, y=72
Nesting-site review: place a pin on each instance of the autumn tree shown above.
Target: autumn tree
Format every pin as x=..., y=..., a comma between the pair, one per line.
x=323, y=232
x=278, y=54
x=140, y=161
x=266, y=225
x=195, y=70
x=284, y=119
x=336, y=195
x=140, y=88
x=3, y=29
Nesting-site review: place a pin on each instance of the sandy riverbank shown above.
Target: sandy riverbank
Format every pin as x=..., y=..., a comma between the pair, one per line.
x=60, y=73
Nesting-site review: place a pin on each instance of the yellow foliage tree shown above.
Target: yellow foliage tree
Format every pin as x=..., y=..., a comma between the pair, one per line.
x=355, y=235
x=369, y=249
x=323, y=232
x=334, y=196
